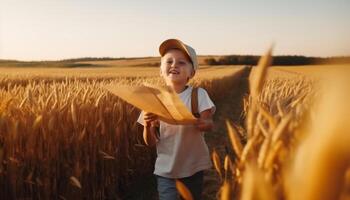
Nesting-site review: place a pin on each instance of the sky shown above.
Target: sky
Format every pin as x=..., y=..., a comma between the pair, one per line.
x=52, y=30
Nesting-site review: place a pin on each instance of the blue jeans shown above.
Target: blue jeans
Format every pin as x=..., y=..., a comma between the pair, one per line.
x=167, y=188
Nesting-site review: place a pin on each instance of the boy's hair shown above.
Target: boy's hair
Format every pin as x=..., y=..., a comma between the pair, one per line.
x=177, y=44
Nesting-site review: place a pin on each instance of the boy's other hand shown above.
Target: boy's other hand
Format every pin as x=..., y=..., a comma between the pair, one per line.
x=205, y=121
x=150, y=119
x=204, y=124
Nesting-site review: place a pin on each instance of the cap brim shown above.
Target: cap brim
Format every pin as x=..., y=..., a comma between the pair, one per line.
x=172, y=44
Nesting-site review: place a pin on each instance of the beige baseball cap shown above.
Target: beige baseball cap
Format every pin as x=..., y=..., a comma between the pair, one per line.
x=177, y=44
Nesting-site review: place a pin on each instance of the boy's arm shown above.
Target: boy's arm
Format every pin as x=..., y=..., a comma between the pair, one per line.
x=149, y=135
x=150, y=127
x=205, y=121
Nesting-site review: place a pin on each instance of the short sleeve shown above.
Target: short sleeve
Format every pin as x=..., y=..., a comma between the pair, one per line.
x=140, y=119
x=204, y=101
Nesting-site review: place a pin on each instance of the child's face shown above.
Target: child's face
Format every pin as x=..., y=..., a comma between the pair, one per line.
x=176, y=67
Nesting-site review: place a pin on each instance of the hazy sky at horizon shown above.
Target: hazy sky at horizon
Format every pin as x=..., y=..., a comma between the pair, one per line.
x=49, y=30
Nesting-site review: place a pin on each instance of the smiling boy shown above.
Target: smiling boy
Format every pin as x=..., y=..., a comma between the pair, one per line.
x=181, y=149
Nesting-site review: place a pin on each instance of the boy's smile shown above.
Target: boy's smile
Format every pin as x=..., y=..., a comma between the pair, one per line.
x=173, y=71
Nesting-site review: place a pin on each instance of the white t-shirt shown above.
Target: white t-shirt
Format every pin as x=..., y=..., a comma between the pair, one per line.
x=181, y=149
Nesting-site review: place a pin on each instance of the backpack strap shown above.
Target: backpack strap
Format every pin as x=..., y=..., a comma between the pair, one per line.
x=194, y=102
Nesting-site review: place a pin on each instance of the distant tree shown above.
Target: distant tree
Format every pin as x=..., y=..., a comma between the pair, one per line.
x=210, y=61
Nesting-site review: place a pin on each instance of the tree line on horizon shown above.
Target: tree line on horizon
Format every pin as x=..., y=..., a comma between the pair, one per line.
x=277, y=60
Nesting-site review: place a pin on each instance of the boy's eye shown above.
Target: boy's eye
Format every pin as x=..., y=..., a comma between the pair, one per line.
x=182, y=62
x=169, y=61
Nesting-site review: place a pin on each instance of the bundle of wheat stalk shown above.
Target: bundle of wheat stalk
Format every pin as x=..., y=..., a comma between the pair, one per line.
x=291, y=148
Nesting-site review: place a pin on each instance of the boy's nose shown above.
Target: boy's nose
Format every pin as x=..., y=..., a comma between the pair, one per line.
x=174, y=64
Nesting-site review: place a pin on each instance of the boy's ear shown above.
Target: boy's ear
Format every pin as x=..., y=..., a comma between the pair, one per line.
x=193, y=73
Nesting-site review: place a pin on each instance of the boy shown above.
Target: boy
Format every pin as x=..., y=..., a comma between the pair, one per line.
x=181, y=150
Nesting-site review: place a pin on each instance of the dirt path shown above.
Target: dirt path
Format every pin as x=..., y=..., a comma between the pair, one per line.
x=231, y=108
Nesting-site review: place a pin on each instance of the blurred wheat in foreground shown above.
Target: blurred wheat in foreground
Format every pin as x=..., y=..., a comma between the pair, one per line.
x=296, y=142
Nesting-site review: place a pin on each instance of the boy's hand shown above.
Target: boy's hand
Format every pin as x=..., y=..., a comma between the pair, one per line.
x=150, y=119
x=205, y=121
x=149, y=131
x=204, y=124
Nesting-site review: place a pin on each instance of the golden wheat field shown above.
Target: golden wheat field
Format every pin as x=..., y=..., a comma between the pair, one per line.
x=282, y=133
